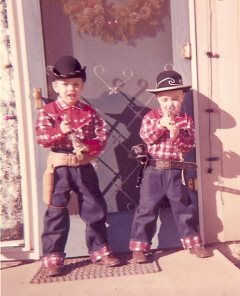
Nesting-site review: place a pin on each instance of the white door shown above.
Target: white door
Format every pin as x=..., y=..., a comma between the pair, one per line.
x=46, y=35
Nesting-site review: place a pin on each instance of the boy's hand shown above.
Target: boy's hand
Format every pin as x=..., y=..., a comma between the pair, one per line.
x=65, y=127
x=81, y=152
x=170, y=124
x=174, y=131
x=81, y=149
x=166, y=121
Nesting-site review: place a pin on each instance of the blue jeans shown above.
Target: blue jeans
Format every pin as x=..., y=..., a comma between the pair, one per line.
x=155, y=185
x=92, y=209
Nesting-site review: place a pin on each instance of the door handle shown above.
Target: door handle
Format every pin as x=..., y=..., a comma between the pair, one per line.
x=37, y=94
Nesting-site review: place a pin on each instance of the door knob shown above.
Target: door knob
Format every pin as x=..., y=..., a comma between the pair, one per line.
x=37, y=94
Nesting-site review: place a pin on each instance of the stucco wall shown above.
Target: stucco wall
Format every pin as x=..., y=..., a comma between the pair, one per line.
x=218, y=32
x=11, y=204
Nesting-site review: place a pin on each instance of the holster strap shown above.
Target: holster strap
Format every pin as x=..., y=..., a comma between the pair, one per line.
x=63, y=159
x=167, y=164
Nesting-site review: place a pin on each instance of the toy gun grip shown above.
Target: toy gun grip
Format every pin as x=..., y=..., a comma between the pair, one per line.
x=72, y=136
x=65, y=117
x=170, y=114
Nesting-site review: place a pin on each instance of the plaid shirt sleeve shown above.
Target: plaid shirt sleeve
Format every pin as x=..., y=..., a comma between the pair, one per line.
x=150, y=130
x=87, y=124
x=99, y=139
x=47, y=130
x=158, y=139
x=186, y=140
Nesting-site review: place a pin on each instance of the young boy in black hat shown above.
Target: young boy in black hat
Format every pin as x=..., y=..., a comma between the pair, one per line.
x=169, y=135
x=76, y=134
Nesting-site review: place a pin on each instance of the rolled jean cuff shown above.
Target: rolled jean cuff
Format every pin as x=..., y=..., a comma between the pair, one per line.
x=99, y=254
x=139, y=246
x=191, y=241
x=53, y=258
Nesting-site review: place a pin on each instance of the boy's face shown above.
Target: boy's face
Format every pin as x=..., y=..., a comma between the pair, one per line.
x=171, y=98
x=69, y=90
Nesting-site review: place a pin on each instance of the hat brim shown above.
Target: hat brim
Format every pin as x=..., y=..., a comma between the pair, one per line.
x=185, y=88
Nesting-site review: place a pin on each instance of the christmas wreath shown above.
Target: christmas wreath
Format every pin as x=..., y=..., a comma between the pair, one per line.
x=115, y=22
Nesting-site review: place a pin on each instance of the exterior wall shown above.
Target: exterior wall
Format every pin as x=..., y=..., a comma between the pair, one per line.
x=11, y=202
x=218, y=31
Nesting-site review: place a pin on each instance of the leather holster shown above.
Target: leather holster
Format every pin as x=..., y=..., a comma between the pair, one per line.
x=60, y=159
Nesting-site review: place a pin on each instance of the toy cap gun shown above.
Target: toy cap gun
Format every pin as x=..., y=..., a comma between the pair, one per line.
x=140, y=153
x=75, y=140
x=170, y=114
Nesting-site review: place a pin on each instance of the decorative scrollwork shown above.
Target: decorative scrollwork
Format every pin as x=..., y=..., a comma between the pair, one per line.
x=98, y=70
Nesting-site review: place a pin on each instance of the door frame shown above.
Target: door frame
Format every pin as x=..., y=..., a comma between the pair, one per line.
x=27, y=41
x=24, y=40
x=195, y=87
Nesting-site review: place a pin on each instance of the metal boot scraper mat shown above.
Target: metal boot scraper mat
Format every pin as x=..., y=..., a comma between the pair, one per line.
x=82, y=268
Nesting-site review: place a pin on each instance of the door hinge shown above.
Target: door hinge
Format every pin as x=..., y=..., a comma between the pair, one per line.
x=193, y=184
x=187, y=54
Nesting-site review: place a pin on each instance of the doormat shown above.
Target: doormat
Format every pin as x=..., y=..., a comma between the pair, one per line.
x=82, y=268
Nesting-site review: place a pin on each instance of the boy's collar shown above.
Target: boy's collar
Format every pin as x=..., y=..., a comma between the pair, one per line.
x=64, y=106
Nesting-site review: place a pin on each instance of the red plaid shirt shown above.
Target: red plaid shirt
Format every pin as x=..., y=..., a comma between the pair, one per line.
x=87, y=124
x=158, y=138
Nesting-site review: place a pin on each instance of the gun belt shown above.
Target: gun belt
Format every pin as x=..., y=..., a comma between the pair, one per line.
x=167, y=164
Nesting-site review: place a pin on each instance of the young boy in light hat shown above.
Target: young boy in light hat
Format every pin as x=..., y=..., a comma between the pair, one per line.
x=169, y=135
x=76, y=134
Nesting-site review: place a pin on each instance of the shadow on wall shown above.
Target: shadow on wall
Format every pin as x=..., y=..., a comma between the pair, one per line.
x=131, y=117
x=212, y=118
x=123, y=114
x=216, y=163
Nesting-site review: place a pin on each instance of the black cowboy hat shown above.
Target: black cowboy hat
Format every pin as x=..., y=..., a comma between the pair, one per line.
x=169, y=80
x=67, y=67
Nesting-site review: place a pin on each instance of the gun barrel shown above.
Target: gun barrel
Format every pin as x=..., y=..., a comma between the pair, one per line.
x=72, y=136
x=170, y=113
